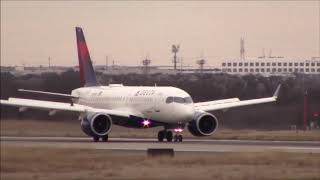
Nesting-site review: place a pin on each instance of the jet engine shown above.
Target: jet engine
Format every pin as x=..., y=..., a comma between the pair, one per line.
x=203, y=124
x=97, y=124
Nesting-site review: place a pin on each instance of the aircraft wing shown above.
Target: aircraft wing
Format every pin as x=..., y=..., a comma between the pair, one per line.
x=58, y=106
x=234, y=102
x=47, y=93
x=216, y=102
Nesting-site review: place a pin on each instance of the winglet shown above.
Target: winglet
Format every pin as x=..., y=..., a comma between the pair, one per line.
x=276, y=93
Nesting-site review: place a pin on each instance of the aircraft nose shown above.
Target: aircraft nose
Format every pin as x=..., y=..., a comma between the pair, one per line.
x=184, y=113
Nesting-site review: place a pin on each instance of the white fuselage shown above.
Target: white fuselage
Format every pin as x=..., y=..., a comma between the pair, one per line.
x=163, y=104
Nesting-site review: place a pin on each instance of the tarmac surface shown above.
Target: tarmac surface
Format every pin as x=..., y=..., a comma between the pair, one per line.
x=188, y=145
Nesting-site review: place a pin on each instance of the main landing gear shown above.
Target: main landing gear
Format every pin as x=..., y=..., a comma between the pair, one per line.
x=103, y=138
x=164, y=134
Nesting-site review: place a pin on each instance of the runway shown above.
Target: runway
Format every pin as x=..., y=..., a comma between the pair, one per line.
x=141, y=144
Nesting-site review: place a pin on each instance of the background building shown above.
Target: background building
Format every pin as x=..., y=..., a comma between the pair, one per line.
x=271, y=66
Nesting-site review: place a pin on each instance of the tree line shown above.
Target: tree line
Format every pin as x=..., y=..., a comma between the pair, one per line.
x=202, y=87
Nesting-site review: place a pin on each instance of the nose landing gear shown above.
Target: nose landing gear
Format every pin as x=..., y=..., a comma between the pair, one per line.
x=103, y=138
x=178, y=138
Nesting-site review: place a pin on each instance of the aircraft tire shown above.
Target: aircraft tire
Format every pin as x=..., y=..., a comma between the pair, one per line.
x=169, y=136
x=96, y=138
x=161, y=135
x=175, y=138
x=105, y=138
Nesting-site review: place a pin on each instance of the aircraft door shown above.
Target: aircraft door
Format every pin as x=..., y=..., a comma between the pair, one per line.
x=158, y=110
x=156, y=104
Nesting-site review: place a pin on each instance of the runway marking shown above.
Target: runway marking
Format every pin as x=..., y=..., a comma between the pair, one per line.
x=34, y=138
x=189, y=145
x=143, y=139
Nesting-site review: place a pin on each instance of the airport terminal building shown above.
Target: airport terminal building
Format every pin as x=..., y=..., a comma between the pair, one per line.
x=271, y=66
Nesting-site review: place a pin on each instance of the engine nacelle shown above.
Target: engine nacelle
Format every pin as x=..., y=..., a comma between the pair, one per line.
x=203, y=124
x=97, y=124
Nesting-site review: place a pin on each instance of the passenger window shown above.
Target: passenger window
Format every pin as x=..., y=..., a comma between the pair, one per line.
x=169, y=100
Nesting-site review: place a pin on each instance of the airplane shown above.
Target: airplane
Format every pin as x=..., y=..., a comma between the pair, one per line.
x=101, y=107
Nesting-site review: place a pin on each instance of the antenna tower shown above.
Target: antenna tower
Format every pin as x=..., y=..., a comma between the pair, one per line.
x=242, y=50
x=49, y=62
x=270, y=53
x=146, y=62
x=107, y=63
x=201, y=64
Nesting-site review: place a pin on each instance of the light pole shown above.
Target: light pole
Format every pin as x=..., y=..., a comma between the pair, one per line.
x=175, y=49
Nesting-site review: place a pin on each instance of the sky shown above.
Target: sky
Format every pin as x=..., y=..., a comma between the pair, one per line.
x=129, y=31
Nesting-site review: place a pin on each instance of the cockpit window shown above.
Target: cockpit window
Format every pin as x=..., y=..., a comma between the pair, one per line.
x=181, y=100
x=188, y=100
x=169, y=100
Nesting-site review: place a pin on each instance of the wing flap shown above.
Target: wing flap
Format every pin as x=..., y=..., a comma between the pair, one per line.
x=216, y=102
x=37, y=104
x=47, y=93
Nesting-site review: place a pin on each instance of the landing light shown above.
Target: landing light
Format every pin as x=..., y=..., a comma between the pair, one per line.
x=178, y=130
x=146, y=123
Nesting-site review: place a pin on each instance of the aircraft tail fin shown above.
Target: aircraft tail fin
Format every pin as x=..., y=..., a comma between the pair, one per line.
x=87, y=74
